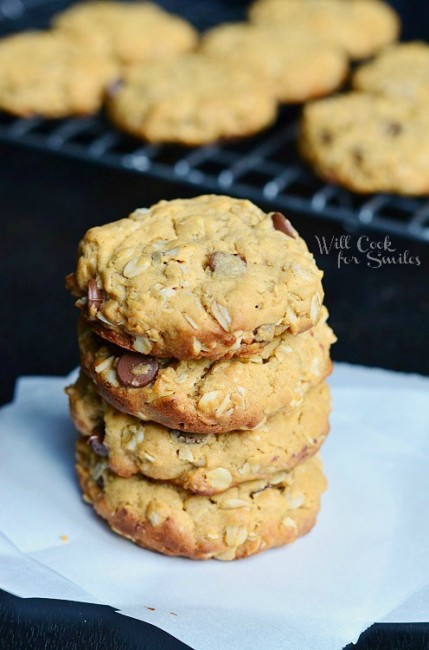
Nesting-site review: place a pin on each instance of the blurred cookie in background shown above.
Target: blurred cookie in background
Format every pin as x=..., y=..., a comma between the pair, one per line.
x=130, y=33
x=191, y=100
x=368, y=143
x=360, y=27
x=400, y=71
x=295, y=66
x=47, y=74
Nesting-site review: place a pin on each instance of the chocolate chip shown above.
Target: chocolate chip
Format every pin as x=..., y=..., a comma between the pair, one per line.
x=188, y=438
x=393, y=128
x=95, y=295
x=358, y=156
x=284, y=225
x=227, y=263
x=326, y=137
x=136, y=370
x=96, y=442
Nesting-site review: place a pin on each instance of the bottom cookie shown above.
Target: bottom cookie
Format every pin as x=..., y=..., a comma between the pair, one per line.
x=234, y=524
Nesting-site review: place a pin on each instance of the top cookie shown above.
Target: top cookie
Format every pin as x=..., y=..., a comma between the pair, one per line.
x=360, y=27
x=44, y=73
x=207, y=277
x=401, y=71
x=129, y=32
x=295, y=67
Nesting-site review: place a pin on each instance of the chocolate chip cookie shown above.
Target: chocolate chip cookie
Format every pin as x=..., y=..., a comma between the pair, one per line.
x=207, y=277
x=294, y=66
x=44, y=73
x=368, y=143
x=208, y=396
x=239, y=522
x=360, y=27
x=401, y=71
x=203, y=464
x=128, y=32
x=192, y=101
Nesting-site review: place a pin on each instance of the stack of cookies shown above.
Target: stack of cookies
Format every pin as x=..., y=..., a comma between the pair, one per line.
x=201, y=401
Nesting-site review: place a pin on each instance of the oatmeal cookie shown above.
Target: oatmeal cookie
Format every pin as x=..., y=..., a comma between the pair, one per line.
x=207, y=277
x=128, y=32
x=401, y=71
x=192, y=101
x=207, y=396
x=42, y=73
x=368, y=143
x=360, y=27
x=244, y=520
x=203, y=464
x=294, y=66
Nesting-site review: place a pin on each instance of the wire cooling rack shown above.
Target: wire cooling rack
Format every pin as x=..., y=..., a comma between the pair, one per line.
x=265, y=168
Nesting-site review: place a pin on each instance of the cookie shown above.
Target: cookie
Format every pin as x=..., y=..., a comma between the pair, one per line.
x=400, y=71
x=86, y=407
x=239, y=522
x=368, y=143
x=207, y=396
x=360, y=27
x=42, y=73
x=203, y=464
x=207, y=277
x=129, y=33
x=295, y=67
x=191, y=101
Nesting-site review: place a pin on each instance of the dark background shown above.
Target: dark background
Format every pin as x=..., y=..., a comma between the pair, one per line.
x=381, y=317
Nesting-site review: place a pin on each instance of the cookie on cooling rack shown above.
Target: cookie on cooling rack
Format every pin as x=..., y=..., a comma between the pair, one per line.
x=210, y=276
x=294, y=66
x=241, y=521
x=203, y=464
x=209, y=396
x=368, y=143
x=360, y=27
x=129, y=33
x=44, y=73
x=192, y=100
x=400, y=71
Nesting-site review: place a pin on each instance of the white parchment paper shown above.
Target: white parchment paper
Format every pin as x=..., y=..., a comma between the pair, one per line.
x=366, y=561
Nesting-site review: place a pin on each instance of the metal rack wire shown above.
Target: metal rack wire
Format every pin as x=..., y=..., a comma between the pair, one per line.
x=265, y=168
